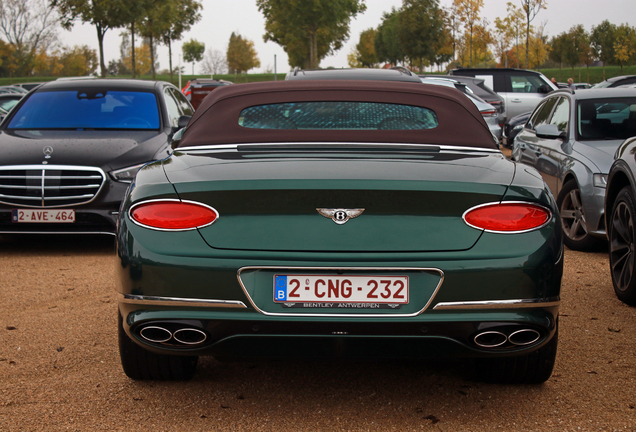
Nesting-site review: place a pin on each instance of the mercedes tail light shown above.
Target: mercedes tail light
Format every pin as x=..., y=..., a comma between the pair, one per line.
x=173, y=215
x=507, y=217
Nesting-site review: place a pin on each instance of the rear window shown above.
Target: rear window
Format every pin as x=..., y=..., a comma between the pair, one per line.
x=338, y=116
x=90, y=109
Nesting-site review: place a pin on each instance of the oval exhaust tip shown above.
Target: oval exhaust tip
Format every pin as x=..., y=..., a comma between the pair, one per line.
x=490, y=339
x=524, y=337
x=155, y=334
x=190, y=336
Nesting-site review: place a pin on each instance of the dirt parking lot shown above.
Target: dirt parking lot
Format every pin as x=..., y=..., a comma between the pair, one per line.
x=60, y=370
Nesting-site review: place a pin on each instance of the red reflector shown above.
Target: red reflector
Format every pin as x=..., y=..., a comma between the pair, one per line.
x=507, y=217
x=173, y=215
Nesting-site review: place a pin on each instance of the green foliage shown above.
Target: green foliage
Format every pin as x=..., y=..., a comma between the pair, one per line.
x=241, y=55
x=103, y=14
x=193, y=51
x=366, y=49
x=420, y=30
x=387, y=43
x=308, y=30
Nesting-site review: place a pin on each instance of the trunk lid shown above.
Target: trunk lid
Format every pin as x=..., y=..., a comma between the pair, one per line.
x=270, y=202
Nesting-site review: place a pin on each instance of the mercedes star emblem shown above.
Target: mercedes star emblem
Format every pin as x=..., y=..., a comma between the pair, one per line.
x=339, y=215
x=47, y=151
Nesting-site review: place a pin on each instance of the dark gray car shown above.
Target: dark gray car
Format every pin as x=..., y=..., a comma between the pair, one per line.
x=571, y=138
x=71, y=148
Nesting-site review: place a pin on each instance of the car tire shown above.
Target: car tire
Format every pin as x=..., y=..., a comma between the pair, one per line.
x=622, y=242
x=140, y=364
x=533, y=368
x=575, y=232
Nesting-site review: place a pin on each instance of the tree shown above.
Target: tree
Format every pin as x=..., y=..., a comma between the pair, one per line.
x=538, y=49
x=366, y=48
x=29, y=26
x=193, y=51
x=624, y=46
x=308, y=31
x=103, y=14
x=214, y=62
x=531, y=8
x=577, y=46
x=183, y=15
x=241, y=55
x=558, y=47
x=387, y=43
x=420, y=30
x=468, y=14
x=352, y=58
x=602, y=40
x=153, y=24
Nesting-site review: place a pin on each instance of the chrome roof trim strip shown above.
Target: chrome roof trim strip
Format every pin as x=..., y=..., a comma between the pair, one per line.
x=225, y=147
x=500, y=304
x=182, y=302
x=336, y=269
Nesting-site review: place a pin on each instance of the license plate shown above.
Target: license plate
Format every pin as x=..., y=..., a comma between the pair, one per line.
x=341, y=289
x=43, y=216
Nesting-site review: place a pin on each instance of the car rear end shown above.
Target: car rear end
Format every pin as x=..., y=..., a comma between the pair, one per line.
x=319, y=249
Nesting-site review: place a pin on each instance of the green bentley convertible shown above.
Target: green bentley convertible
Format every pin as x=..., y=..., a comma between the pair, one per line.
x=357, y=219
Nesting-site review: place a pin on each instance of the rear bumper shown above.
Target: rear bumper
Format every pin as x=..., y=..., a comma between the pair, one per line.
x=245, y=335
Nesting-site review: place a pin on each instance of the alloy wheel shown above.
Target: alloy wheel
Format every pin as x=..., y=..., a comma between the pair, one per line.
x=573, y=216
x=622, y=246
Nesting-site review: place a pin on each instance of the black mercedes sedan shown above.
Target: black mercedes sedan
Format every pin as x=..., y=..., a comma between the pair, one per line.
x=71, y=148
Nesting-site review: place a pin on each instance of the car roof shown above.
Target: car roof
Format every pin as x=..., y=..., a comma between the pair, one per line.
x=393, y=74
x=88, y=83
x=460, y=71
x=600, y=93
x=459, y=121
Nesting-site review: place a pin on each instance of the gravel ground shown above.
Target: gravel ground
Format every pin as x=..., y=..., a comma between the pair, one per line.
x=60, y=370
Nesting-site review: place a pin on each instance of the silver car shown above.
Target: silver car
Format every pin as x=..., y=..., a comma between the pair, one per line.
x=571, y=138
x=488, y=112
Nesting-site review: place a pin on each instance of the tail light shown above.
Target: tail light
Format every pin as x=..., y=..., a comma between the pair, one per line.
x=507, y=217
x=489, y=113
x=172, y=215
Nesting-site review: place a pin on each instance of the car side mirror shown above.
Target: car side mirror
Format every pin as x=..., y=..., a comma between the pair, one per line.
x=176, y=138
x=550, y=131
x=544, y=89
x=183, y=121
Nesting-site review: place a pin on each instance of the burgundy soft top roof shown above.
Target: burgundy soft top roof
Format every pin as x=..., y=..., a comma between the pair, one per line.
x=216, y=121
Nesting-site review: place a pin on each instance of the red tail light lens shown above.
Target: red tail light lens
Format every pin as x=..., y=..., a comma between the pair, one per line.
x=173, y=215
x=507, y=217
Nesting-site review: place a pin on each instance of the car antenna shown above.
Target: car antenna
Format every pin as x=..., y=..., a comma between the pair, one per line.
x=296, y=69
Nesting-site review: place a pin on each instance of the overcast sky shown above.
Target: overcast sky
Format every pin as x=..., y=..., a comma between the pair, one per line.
x=222, y=17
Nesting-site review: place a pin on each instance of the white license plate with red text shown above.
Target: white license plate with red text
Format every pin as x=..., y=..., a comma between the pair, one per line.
x=43, y=216
x=341, y=289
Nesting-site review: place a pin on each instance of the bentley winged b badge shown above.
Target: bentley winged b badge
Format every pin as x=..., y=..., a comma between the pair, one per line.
x=340, y=216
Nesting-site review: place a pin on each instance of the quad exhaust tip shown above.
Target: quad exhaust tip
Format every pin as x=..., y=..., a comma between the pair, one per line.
x=184, y=336
x=494, y=339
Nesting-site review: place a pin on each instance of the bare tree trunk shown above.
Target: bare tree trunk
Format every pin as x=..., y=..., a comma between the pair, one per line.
x=132, y=51
x=151, y=41
x=527, y=41
x=100, y=41
x=313, y=50
x=170, y=58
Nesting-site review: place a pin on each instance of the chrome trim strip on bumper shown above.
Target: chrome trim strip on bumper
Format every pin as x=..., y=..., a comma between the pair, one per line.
x=176, y=301
x=500, y=304
x=337, y=269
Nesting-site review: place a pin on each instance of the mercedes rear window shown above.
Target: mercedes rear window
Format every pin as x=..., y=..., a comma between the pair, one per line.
x=338, y=116
x=88, y=109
